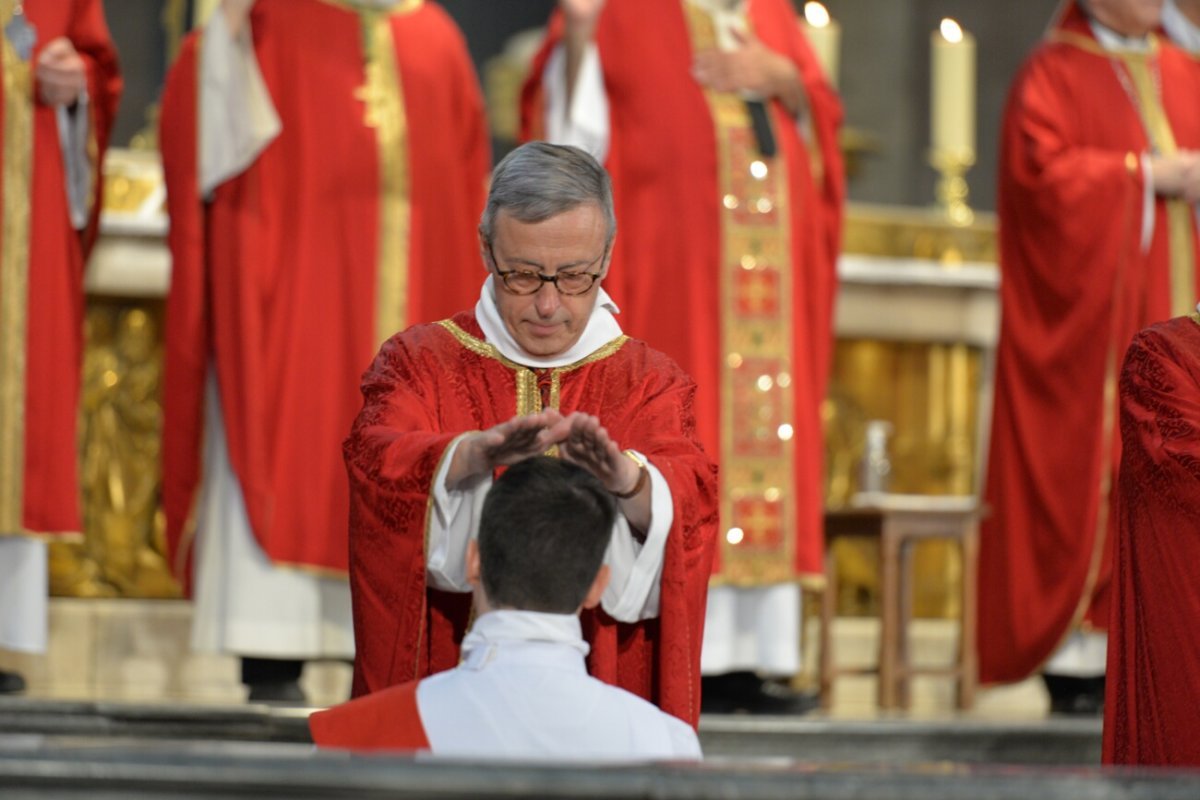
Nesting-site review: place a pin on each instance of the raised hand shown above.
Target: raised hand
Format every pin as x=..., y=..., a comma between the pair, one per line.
x=61, y=74
x=752, y=67
x=507, y=443
x=584, y=441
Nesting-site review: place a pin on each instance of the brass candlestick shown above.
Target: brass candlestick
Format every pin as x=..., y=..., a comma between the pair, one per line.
x=952, y=190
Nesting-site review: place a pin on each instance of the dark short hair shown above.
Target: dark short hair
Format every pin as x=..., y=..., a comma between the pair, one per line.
x=540, y=180
x=542, y=535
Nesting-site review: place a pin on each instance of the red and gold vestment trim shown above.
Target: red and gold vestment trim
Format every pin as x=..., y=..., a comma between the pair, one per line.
x=14, y=275
x=757, y=501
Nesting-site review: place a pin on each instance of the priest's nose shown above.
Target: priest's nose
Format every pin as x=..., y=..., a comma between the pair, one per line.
x=547, y=300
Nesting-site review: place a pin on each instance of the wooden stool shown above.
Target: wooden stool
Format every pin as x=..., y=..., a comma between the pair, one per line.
x=898, y=521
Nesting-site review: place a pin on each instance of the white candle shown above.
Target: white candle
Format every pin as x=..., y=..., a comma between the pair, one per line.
x=825, y=37
x=952, y=110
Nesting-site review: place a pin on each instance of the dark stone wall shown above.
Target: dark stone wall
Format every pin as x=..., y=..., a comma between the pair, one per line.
x=885, y=86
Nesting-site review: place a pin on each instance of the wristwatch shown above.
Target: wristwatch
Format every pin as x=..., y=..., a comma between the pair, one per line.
x=643, y=477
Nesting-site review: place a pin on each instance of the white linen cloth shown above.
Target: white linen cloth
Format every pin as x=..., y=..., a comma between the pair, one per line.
x=244, y=603
x=522, y=692
x=24, y=589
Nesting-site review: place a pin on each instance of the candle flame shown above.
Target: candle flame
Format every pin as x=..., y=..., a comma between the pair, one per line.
x=815, y=14
x=951, y=31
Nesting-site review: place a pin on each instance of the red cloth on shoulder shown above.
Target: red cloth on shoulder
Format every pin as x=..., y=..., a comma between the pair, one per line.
x=1153, y=702
x=387, y=720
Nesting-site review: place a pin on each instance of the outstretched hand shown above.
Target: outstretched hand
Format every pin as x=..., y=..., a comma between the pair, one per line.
x=584, y=441
x=507, y=443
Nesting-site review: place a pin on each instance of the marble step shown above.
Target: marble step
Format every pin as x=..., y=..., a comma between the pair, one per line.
x=1060, y=741
x=35, y=767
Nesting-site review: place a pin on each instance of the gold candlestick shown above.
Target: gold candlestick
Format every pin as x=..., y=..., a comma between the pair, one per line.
x=952, y=190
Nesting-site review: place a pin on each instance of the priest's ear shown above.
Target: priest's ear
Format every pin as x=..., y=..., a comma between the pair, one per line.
x=598, y=586
x=485, y=250
x=608, y=254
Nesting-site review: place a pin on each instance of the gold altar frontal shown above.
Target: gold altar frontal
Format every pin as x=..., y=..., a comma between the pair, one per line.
x=916, y=325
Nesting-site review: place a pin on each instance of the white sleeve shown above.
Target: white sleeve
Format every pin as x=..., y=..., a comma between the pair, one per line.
x=633, y=589
x=585, y=124
x=73, y=129
x=453, y=521
x=237, y=117
x=1148, y=203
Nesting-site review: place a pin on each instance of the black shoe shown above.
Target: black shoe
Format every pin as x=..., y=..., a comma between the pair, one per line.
x=281, y=692
x=746, y=693
x=1075, y=696
x=11, y=682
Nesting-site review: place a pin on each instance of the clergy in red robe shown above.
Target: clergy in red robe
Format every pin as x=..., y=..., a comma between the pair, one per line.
x=1154, y=653
x=540, y=363
x=1097, y=240
x=325, y=160
x=720, y=132
x=59, y=99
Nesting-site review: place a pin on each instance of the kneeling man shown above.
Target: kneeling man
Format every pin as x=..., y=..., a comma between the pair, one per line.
x=522, y=689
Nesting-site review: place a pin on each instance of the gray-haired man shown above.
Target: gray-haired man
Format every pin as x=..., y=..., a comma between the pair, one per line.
x=539, y=364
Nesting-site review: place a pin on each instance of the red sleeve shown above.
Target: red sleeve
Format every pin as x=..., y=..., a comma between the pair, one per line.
x=387, y=720
x=187, y=325
x=89, y=34
x=1048, y=167
x=392, y=454
x=665, y=431
x=1154, y=654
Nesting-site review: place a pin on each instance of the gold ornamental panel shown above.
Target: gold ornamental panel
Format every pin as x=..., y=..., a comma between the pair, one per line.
x=120, y=430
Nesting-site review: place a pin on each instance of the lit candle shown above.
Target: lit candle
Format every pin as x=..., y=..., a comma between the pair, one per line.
x=825, y=37
x=953, y=103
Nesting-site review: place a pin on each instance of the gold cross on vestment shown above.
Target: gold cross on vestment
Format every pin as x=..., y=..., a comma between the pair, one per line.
x=756, y=291
x=760, y=524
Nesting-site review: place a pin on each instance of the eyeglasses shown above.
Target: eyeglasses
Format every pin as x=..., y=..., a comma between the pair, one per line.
x=527, y=282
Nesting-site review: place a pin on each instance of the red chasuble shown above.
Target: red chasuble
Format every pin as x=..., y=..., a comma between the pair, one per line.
x=1154, y=652
x=358, y=220
x=1076, y=284
x=41, y=269
x=434, y=382
x=386, y=720
x=728, y=267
